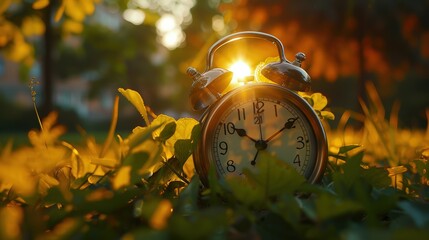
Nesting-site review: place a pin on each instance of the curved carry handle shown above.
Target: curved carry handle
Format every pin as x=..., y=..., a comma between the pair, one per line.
x=241, y=35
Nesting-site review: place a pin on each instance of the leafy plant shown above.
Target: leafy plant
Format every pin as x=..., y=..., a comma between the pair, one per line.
x=143, y=186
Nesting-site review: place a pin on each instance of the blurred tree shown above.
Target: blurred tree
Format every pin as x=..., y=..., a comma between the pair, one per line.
x=24, y=23
x=82, y=46
x=110, y=60
x=389, y=34
x=381, y=41
x=349, y=42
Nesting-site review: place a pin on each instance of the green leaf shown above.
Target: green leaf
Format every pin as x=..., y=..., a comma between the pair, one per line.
x=377, y=177
x=344, y=181
x=185, y=128
x=140, y=135
x=103, y=200
x=209, y=223
x=319, y=101
x=156, y=211
x=189, y=198
x=248, y=193
x=272, y=226
x=122, y=177
x=275, y=176
x=183, y=149
x=422, y=167
x=382, y=201
x=167, y=131
x=154, y=162
x=146, y=233
x=308, y=207
x=131, y=171
x=195, y=134
x=161, y=120
x=136, y=160
x=185, y=138
x=270, y=177
x=54, y=196
x=65, y=229
x=348, y=148
x=329, y=207
x=173, y=188
x=418, y=211
x=172, y=131
x=288, y=208
x=217, y=189
x=166, y=173
x=137, y=101
x=327, y=115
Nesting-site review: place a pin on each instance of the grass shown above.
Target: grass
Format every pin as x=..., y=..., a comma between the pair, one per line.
x=375, y=182
x=20, y=138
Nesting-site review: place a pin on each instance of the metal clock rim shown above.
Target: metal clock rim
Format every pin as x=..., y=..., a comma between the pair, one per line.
x=202, y=165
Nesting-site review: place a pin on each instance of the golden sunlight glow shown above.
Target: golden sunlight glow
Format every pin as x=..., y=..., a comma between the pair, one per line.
x=170, y=32
x=134, y=16
x=240, y=70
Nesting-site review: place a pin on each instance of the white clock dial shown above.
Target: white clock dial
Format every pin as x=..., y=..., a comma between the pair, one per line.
x=262, y=124
x=261, y=117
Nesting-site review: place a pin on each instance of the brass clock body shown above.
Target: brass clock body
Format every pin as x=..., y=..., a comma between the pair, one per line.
x=260, y=117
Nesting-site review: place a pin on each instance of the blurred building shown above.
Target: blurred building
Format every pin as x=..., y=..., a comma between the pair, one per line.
x=69, y=94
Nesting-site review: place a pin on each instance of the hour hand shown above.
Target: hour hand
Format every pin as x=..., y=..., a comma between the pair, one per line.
x=242, y=133
x=288, y=125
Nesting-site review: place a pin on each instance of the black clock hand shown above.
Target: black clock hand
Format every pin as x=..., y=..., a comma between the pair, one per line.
x=253, y=162
x=259, y=145
x=242, y=133
x=288, y=125
x=260, y=131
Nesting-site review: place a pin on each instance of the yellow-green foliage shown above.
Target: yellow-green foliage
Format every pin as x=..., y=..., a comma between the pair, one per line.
x=385, y=144
x=143, y=185
x=32, y=170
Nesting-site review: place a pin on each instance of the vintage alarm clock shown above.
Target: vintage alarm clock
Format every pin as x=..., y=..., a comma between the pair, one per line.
x=256, y=116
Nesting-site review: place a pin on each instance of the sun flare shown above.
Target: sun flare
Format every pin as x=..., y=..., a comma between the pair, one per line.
x=240, y=69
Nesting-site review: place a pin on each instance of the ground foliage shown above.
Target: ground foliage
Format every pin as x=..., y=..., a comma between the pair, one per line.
x=143, y=186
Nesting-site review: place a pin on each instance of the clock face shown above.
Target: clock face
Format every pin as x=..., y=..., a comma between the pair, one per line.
x=256, y=118
x=258, y=124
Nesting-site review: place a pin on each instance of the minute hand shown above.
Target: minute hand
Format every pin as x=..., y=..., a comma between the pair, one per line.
x=288, y=125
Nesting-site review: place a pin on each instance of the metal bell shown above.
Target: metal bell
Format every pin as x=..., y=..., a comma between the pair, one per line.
x=289, y=75
x=207, y=87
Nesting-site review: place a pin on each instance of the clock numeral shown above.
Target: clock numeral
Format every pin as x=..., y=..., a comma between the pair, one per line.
x=258, y=107
x=257, y=119
x=228, y=128
x=230, y=166
x=290, y=123
x=275, y=110
x=223, y=147
x=297, y=160
x=300, y=141
x=241, y=112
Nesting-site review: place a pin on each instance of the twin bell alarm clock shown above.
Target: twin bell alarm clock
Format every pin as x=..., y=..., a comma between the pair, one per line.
x=256, y=116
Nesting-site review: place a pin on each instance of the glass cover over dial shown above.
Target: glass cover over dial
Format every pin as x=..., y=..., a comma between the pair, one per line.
x=261, y=117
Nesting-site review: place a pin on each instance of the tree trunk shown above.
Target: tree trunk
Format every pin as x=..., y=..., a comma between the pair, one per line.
x=47, y=83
